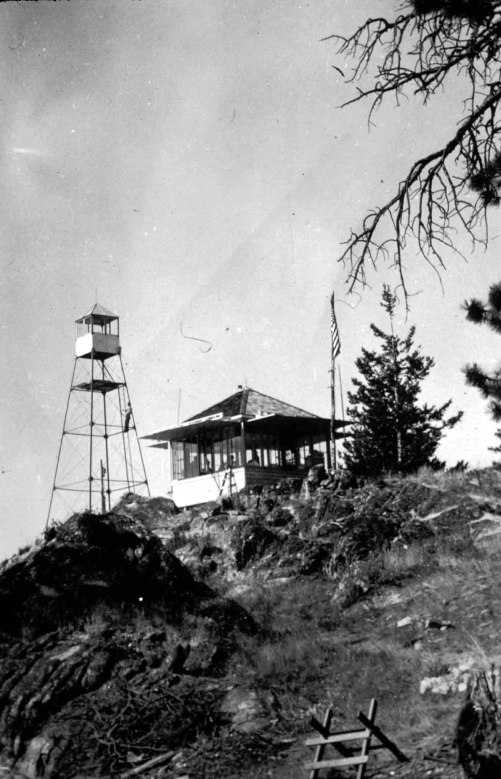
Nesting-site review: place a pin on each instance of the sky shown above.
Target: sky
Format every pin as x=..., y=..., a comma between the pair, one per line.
x=186, y=164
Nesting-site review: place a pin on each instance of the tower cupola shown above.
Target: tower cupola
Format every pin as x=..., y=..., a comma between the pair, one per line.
x=97, y=334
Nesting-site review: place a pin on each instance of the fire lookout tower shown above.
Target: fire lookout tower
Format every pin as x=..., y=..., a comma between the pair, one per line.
x=99, y=452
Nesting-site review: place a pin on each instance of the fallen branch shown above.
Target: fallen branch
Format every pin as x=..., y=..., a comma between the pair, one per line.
x=149, y=764
x=441, y=760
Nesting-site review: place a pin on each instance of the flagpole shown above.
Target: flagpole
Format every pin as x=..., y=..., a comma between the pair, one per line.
x=335, y=349
x=340, y=392
x=333, y=414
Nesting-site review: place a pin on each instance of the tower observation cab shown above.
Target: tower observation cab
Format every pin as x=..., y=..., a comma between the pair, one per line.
x=99, y=453
x=97, y=334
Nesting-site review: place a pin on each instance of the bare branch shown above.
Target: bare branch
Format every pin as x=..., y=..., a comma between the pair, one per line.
x=421, y=51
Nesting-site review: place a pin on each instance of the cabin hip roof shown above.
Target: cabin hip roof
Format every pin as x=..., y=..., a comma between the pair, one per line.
x=250, y=403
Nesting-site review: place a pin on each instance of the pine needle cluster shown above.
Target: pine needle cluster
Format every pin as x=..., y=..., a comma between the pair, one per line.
x=473, y=10
x=487, y=181
x=489, y=313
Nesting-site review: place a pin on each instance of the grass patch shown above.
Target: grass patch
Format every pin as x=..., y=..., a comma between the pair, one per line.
x=312, y=655
x=288, y=664
x=444, y=480
x=291, y=652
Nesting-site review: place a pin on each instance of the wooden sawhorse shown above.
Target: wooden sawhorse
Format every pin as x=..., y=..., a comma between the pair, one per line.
x=337, y=740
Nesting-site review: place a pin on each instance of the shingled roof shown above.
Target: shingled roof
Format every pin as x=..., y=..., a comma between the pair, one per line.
x=250, y=403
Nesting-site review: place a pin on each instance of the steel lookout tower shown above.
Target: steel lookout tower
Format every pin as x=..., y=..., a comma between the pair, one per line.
x=99, y=452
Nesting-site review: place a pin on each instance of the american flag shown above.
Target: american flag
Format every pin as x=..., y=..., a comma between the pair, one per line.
x=336, y=343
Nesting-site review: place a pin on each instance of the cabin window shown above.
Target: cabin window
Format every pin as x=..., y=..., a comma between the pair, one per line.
x=185, y=459
x=99, y=325
x=303, y=451
x=177, y=460
x=312, y=451
x=321, y=450
x=270, y=449
x=235, y=451
x=218, y=455
x=253, y=453
x=262, y=449
x=191, y=460
x=290, y=458
x=205, y=454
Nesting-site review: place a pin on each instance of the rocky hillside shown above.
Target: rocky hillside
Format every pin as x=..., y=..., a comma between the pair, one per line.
x=157, y=643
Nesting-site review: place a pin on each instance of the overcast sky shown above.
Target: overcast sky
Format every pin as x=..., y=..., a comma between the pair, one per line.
x=186, y=163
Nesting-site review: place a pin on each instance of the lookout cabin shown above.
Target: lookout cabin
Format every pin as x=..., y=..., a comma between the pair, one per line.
x=244, y=440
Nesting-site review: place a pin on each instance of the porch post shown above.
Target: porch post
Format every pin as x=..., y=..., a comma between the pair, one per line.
x=311, y=447
x=329, y=461
x=170, y=461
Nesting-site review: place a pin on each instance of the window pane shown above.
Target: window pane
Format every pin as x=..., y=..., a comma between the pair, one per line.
x=177, y=460
x=191, y=461
x=252, y=449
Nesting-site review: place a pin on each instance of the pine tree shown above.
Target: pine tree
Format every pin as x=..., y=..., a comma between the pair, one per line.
x=489, y=384
x=392, y=432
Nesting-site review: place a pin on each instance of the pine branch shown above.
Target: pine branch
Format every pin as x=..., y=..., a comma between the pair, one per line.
x=495, y=409
x=437, y=41
x=475, y=377
x=475, y=310
x=440, y=197
x=495, y=298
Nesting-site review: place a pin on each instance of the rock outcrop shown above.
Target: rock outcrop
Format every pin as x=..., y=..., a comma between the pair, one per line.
x=94, y=621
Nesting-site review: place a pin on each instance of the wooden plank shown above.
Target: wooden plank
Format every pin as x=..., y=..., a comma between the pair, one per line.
x=367, y=743
x=345, y=751
x=349, y=735
x=385, y=741
x=338, y=762
x=324, y=731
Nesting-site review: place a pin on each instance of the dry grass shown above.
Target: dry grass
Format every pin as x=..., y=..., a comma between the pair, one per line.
x=445, y=480
x=312, y=654
x=488, y=479
x=315, y=657
x=291, y=663
x=447, y=553
x=309, y=668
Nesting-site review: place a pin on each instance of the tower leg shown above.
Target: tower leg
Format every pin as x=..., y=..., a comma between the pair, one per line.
x=60, y=445
x=91, y=432
x=135, y=433
x=107, y=453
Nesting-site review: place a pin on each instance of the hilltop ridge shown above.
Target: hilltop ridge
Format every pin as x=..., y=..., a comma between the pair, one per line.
x=161, y=643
